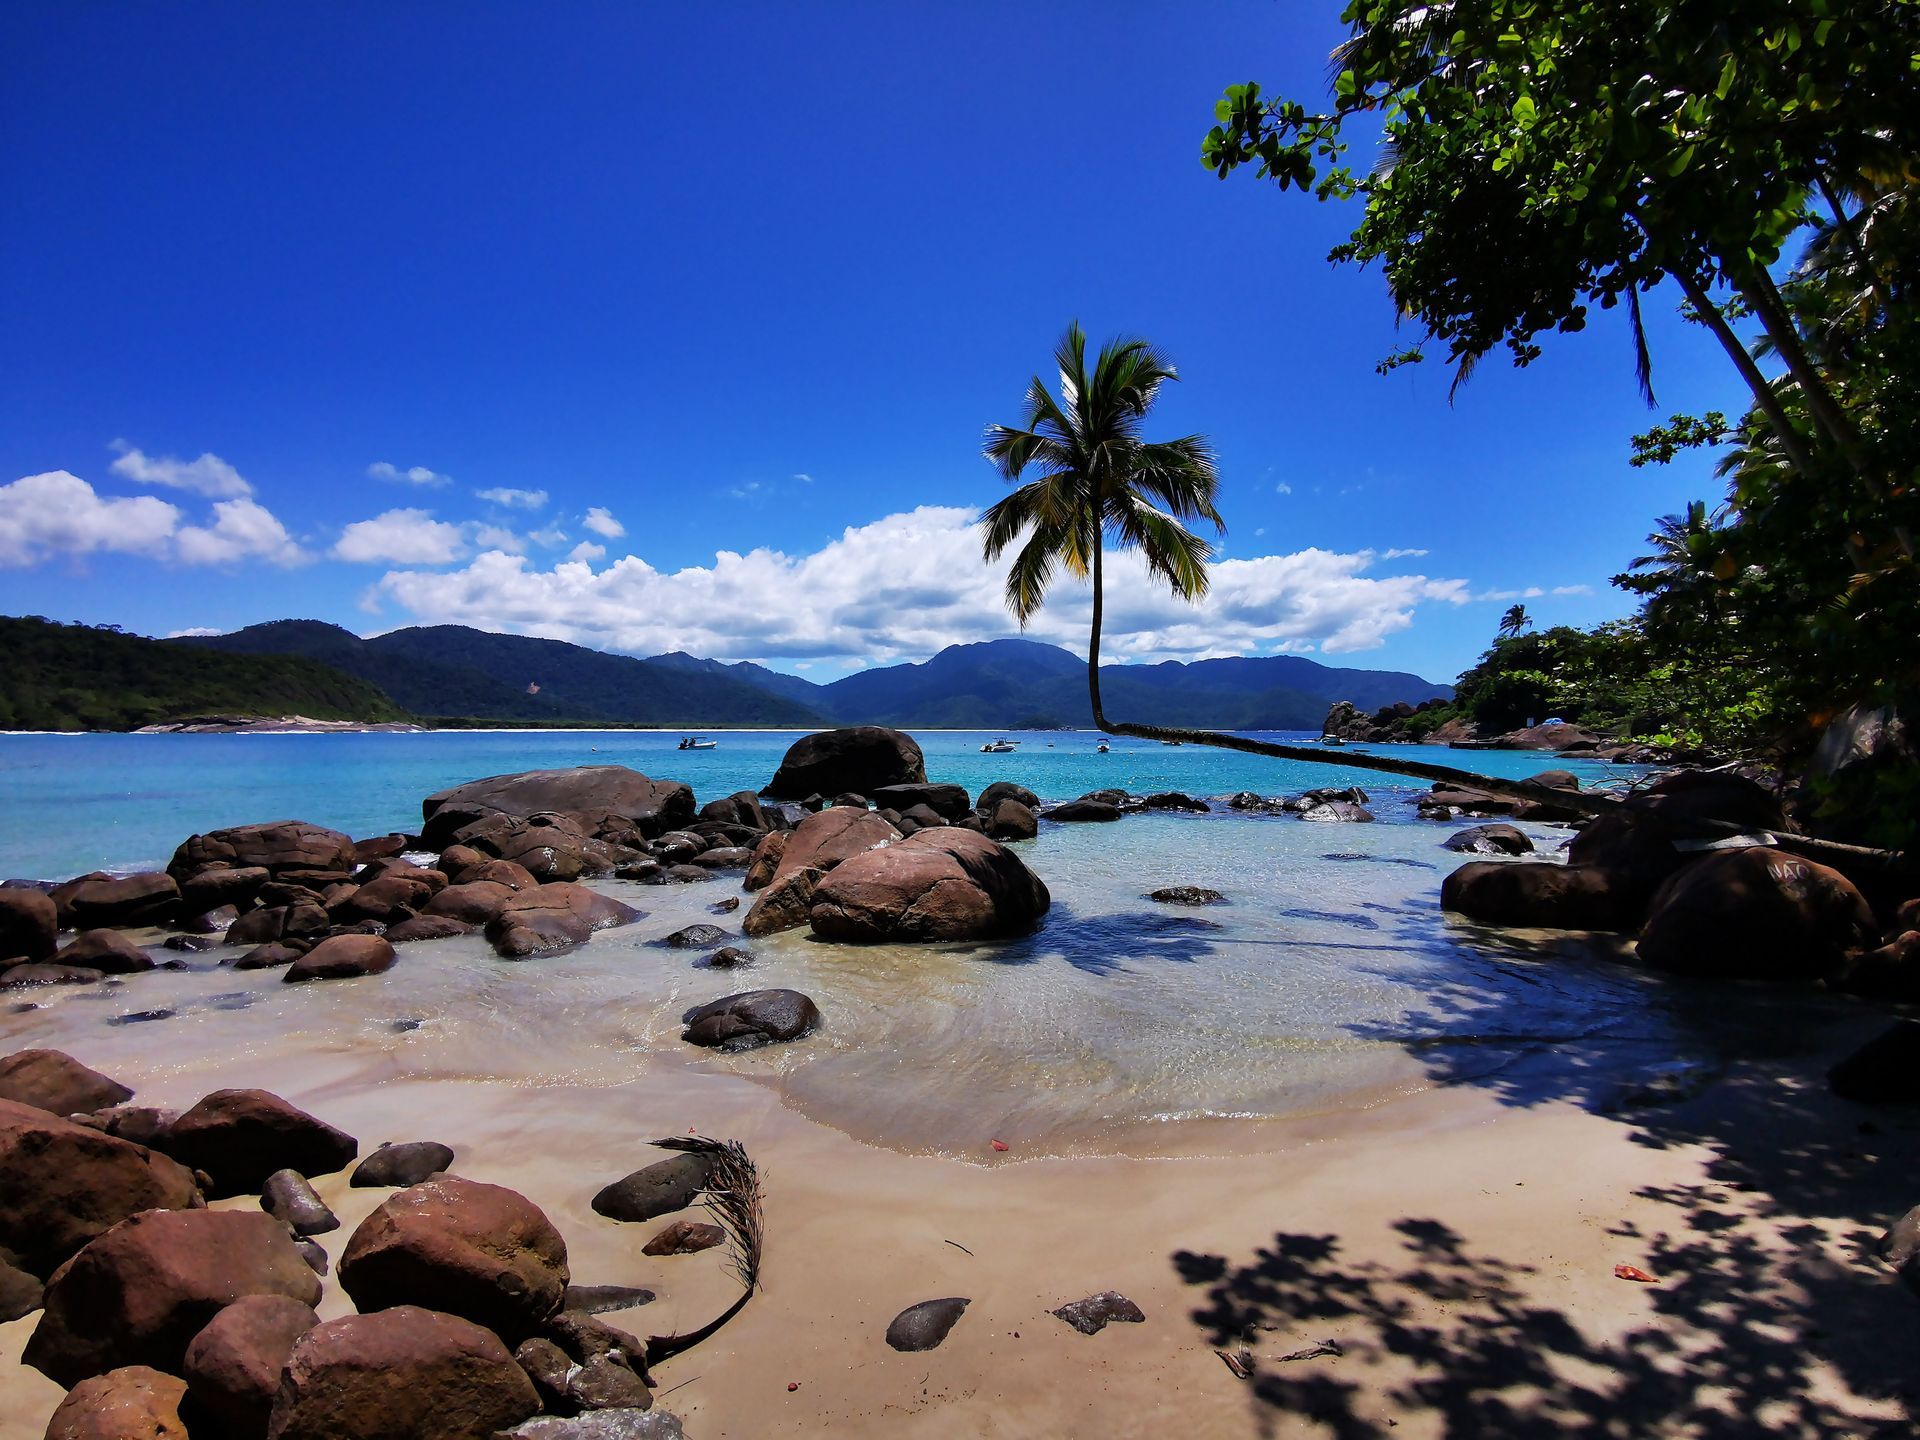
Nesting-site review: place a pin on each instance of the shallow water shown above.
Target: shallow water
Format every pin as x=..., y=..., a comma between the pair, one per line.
x=1330, y=980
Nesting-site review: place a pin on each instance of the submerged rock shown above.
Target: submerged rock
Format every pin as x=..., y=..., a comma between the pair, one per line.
x=602, y=1299
x=924, y=1326
x=1076, y=811
x=342, y=957
x=1488, y=840
x=751, y=1019
x=1093, y=1314
x=1186, y=895
x=697, y=937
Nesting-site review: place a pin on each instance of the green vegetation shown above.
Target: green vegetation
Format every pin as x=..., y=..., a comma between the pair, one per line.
x=77, y=677
x=1097, y=478
x=1536, y=161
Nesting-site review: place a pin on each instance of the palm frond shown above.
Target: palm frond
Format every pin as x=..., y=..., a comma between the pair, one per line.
x=1172, y=552
x=732, y=1196
x=1182, y=476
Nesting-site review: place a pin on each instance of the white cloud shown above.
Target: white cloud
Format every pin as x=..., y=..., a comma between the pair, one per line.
x=905, y=586
x=58, y=513
x=1283, y=488
x=1532, y=592
x=1573, y=590
x=586, y=552
x=601, y=522
x=412, y=475
x=497, y=537
x=241, y=530
x=193, y=631
x=514, y=499
x=209, y=475
x=402, y=537
x=1401, y=554
x=804, y=478
x=550, y=538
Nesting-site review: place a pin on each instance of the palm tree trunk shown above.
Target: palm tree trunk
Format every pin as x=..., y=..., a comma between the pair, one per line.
x=1093, y=643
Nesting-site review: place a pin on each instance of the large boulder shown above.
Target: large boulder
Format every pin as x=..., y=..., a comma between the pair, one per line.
x=29, y=923
x=654, y=1190
x=279, y=846
x=479, y=1251
x=399, y=1374
x=222, y=885
x=553, y=917
x=1005, y=790
x=1757, y=914
x=342, y=957
x=125, y=900
x=135, y=1402
x=765, y=860
x=240, y=1137
x=949, y=802
x=471, y=904
x=860, y=758
x=56, y=1082
x=653, y=807
x=1084, y=809
x=107, y=951
x=1687, y=797
x=62, y=1184
x=751, y=1019
x=233, y=1366
x=740, y=808
x=943, y=884
x=815, y=847
x=138, y=1294
x=1542, y=895
x=1011, y=820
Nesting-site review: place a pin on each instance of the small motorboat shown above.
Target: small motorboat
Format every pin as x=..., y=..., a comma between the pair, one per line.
x=1331, y=740
x=1102, y=748
x=697, y=742
x=1000, y=747
x=1173, y=742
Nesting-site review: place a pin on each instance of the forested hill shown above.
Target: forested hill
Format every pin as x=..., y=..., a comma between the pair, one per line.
x=76, y=677
x=454, y=672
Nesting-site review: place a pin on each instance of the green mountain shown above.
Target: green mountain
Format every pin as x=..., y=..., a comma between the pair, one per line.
x=77, y=677
x=454, y=672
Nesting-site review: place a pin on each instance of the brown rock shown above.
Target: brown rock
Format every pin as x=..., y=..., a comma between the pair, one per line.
x=475, y=904
x=272, y=956
x=767, y=852
x=751, y=1019
x=240, y=1137
x=28, y=924
x=52, y=1081
x=149, y=899
x=685, y=1237
x=107, y=951
x=1011, y=820
x=278, y=846
x=400, y=1374
x=385, y=898
x=1757, y=914
x=427, y=927
x=135, y=1402
x=859, y=758
x=1538, y=894
x=479, y=1251
x=233, y=1366
x=61, y=1184
x=209, y=889
x=651, y=806
x=342, y=957
x=941, y=884
x=500, y=872
x=20, y=977
x=20, y=1292
x=279, y=922
x=139, y=1294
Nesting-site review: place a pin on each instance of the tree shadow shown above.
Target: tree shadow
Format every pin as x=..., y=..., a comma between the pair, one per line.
x=1106, y=944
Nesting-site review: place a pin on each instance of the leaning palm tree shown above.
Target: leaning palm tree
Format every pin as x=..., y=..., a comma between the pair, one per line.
x=1514, y=621
x=1095, y=479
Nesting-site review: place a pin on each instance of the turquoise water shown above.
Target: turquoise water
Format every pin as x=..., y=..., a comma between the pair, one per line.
x=73, y=803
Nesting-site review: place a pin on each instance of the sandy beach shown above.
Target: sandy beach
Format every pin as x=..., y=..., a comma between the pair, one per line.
x=1457, y=1246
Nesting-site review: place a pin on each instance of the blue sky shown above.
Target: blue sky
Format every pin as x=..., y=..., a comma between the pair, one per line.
x=520, y=317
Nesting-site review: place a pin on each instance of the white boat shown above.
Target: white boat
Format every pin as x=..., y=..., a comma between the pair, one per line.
x=698, y=742
x=1000, y=747
x=1331, y=740
x=1102, y=748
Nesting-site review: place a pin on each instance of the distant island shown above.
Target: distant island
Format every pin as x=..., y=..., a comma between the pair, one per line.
x=77, y=677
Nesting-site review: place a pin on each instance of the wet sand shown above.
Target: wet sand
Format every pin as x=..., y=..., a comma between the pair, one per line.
x=1457, y=1244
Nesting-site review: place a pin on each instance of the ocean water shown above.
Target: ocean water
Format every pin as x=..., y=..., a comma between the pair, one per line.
x=1330, y=980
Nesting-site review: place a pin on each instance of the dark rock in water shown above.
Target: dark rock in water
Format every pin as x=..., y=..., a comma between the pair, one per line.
x=271, y=956
x=696, y=937
x=289, y=1197
x=407, y=1163
x=727, y=957
x=538, y=932
x=472, y=903
x=1757, y=914
x=639, y=872
x=342, y=957
x=947, y=802
x=45, y=973
x=125, y=900
x=191, y=944
x=924, y=1326
x=1357, y=922
x=1093, y=1314
x=1356, y=857
x=20, y=1293
x=278, y=922
x=140, y=1293
x=240, y=1137
x=1187, y=895
x=56, y=1082
x=768, y=851
x=1338, y=811
x=604, y=1299
x=724, y=907
x=860, y=758
x=134, y=1402
x=1884, y=1071
x=482, y=1252
x=402, y=1372
x=680, y=875
x=1176, y=800
x=1075, y=811
x=428, y=927
x=278, y=847
x=1005, y=790
x=29, y=924
x=1488, y=840
x=600, y=1425
x=1560, y=897
x=141, y=1017
x=654, y=1190
x=685, y=1237
x=233, y=1366
x=1011, y=820
x=751, y=1019
x=107, y=951
x=406, y=1025
x=63, y=1184
x=653, y=807
x=941, y=884
x=216, y=921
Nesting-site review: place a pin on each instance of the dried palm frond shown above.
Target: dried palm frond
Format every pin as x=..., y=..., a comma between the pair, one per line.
x=732, y=1196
